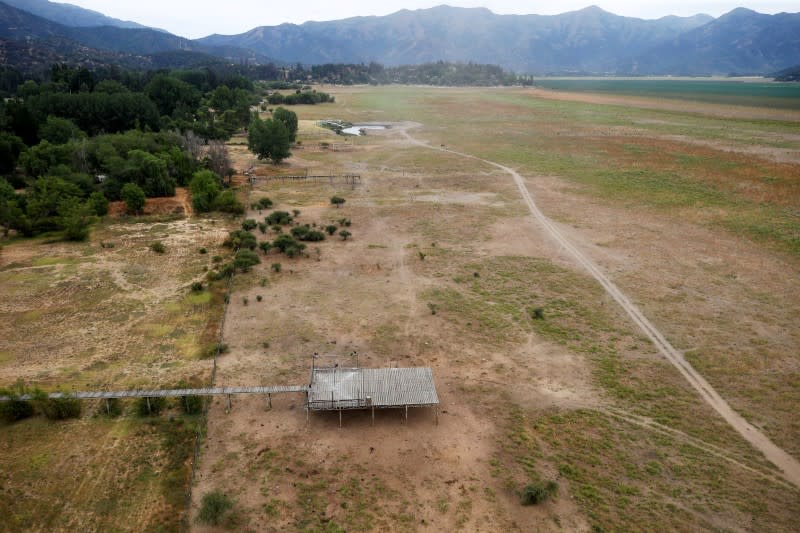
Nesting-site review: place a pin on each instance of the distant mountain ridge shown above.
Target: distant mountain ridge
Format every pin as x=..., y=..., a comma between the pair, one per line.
x=29, y=40
x=740, y=42
x=588, y=41
x=70, y=15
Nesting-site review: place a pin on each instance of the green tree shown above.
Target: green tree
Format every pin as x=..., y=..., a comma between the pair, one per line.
x=205, y=188
x=75, y=218
x=345, y=234
x=11, y=147
x=337, y=201
x=44, y=199
x=228, y=203
x=289, y=119
x=98, y=203
x=269, y=139
x=58, y=130
x=245, y=260
x=134, y=198
x=171, y=94
x=151, y=173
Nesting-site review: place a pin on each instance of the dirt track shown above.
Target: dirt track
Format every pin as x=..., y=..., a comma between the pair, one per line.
x=785, y=462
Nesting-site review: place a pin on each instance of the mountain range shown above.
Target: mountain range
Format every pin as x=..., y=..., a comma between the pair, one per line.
x=589, y=41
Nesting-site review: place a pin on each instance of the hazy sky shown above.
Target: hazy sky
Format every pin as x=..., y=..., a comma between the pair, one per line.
x=198, y=18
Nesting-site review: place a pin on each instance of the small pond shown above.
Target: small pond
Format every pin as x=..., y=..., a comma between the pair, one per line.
x=356, y=129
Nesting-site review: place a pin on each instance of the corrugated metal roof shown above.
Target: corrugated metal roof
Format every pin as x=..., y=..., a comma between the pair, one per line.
x=358, y=388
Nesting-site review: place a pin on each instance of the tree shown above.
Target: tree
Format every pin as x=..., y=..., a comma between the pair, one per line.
x=337, y=201
x=11, y=147
x=151, y=173
x=217, y=159
x=288, y=245
x=228, y=203
x=170, y=94
x=44, y=200
x=75, y=218
x=269, y=139
x=98, y=203
x=345, y=234
x=245, y=260
x=289, y=119
x=331, y=229
x=134, y=198
x=205, y=188
x=58, y=130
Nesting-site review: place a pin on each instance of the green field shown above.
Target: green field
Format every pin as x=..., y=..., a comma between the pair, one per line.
x=759, y=93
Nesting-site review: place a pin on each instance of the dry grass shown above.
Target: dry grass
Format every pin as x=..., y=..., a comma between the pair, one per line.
x=579, y=397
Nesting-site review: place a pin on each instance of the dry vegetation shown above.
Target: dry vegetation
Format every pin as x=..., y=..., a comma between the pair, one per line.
x=446, y=269
x=107, y=314
x=541, y=377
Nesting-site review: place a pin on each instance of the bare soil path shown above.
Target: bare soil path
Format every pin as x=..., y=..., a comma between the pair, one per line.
x=780, y=458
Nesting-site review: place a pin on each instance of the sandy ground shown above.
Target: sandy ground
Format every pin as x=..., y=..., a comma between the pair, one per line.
x=368, y=295
x=376, y=282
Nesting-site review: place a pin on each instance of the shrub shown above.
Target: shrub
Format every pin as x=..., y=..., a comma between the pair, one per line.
x=276, y=267
x=202, y=251
x=288, y=245
x=98, y=203
x=278, y=218
x=245, y=260
x=14, y=409
x=345, y=222
x=344, y=234
x=150, y=406
x=264, y=203
x=433, y=307
x=331, y=229
x=158, y=247
x=227, y=202
x=245, y=301
x=259, y=298
x=296, y=212
x=197, y=286
x=249, y=224
x=241, y=239
x=537, y=493
x=262, y=227
x=134, y=198
x=213, y=508
x=337, y=200
x=537, y=313
x=57, y=408
x=217, y=259
x=265, y=246
x=205, y=187
x=305, y=233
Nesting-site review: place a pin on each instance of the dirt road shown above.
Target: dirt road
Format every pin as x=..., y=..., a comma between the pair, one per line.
x=785, y=462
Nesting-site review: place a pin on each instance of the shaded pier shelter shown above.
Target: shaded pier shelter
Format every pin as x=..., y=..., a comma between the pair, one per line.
x=336, y=388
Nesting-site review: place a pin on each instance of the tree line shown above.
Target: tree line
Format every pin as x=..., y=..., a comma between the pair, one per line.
x=73, y=142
